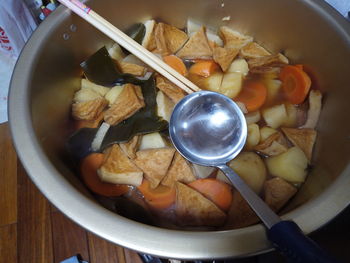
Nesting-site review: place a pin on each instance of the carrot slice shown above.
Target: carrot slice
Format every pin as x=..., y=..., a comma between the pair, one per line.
x=176, y=63
x=88, y=169
x=204, y=68
x=161, y=197
x=218, y=192
x=253, y=95
x=295, y=83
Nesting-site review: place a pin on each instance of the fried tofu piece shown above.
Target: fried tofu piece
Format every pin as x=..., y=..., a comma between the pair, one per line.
x=197, y=47
x=253, y=50
x=89, y=124
x=168, y=39
x=315, y=103
x=193, y=209
x=129, y=101
x=130, y=147
x=172, y=91
x=240, y=214
x=277, y=193
x=224, y=56
x=268, y=61
x=118, y=169
x=303, y=138
x=89, y=110
x=179, y=171
x=275, y=144
x=233, y=38
x=131, y=68
x=148, y=40
x=154, y=163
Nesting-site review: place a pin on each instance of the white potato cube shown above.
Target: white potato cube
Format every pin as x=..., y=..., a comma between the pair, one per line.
x=101, y=90
x=215, y=38
x=116, y=52
x=239, y=65
x=152, y=141
x=83, y=95
x=165, y=106
x=113, y=94
x=149, y=26
x=290, y=165
x=250, y=167
x=266, y=132
x=292, y=113
x=253, y=137
x=131, y=178
x=231, y=84
x=213, y=82
x=273, y=87
x=202, y=171
x=275, y=116
x=252, y=117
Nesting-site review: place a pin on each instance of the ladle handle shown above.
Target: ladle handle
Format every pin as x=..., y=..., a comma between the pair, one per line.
x=291, y=241
x=285, y=235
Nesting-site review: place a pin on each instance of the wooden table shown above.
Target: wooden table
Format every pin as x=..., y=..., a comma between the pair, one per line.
x=33, y=231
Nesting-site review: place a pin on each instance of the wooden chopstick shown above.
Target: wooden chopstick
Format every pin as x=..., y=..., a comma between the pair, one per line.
x=128, y=43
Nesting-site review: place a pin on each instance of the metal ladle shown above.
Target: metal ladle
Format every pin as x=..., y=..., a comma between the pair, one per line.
x=209, y=129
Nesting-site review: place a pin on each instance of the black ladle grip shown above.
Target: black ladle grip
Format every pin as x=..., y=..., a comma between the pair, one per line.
x=290, y=241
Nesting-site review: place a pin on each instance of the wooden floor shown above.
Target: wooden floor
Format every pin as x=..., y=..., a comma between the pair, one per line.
x=33, y=231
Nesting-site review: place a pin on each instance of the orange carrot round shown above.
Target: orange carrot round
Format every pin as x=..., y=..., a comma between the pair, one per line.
x=295, y=83
x=176, y=63
x=253, y=95
x=204, y=68
x=88, y=169
x=160, y=197
x=218, y=192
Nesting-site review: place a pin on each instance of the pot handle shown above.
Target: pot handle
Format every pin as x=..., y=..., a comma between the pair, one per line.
x=288, y=238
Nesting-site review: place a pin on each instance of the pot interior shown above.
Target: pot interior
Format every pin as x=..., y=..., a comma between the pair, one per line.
x=299, y=29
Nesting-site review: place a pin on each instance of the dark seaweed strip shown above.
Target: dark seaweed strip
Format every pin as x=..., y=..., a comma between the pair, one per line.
x=79, y=143
x=136, y=32
x=144, y=121
x=100, y=68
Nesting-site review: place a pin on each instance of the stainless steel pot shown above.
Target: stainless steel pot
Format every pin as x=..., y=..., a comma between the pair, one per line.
x=47, y=75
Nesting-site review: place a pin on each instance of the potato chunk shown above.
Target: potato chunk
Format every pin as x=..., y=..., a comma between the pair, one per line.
x=266, y=132
x=113, y=94
x=253, y=137
x=290, y=165
x=275, y=116
x=252, y=117
x=231, y=84
x=250, y=167
x=152, y=141
x=165, y=106
x=239, y=65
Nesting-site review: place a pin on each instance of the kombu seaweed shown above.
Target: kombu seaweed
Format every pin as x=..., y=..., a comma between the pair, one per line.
x=100, y=69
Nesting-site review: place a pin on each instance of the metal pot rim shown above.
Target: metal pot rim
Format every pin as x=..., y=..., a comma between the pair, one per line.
x=110, y=226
